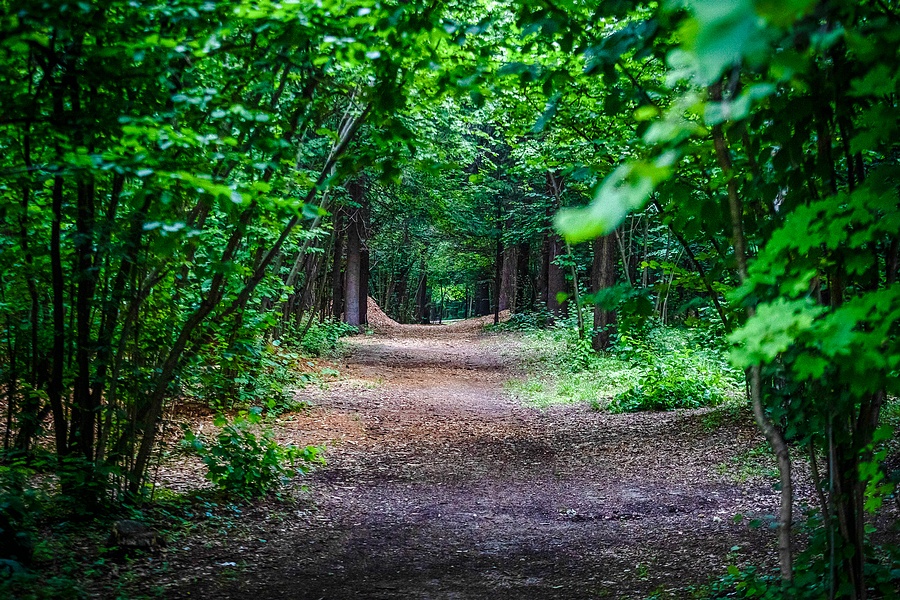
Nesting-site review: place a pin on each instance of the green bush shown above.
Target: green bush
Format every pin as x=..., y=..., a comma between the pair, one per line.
x=677, y=372
x=532, y=320
x=813, y=573
x=322, y=338
x=664, y=388
x=245, y=460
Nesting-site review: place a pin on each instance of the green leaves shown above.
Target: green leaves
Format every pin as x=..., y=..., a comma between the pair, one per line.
x=246, y=461
x=723, y=35
x=772, y=330
x=625, y=190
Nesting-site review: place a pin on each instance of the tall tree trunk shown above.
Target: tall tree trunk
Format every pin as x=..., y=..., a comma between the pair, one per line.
x=541, y=296
x=508, y=279
x=603, y=276
x=55, y=388
x=524, y=286
x=364, y=284
x=772, y=432
x=482, y=298
x=556, y=277
x=353, y=293
x=498, y=274
x=422, y=316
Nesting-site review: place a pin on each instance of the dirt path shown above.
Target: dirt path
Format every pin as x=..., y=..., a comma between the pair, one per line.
x=441, y=486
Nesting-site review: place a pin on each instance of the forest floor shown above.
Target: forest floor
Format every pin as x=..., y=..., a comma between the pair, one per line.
x=440, y=485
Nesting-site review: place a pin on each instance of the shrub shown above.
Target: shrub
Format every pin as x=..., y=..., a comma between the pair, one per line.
x=322, y=338
x=663, y=388
x=813, y=572
x=245, y=460
x=531, y=320
x=674, y=374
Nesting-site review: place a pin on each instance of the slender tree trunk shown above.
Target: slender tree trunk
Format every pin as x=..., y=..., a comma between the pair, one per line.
x=55, y=389
x=556, y=277
x=498, y=275
x=482, y=297
x=773, y=434
x=364, y=284
x=422, y=316
x=524, y=296
x=337, y=279
x=352, y=278
x=541, y=293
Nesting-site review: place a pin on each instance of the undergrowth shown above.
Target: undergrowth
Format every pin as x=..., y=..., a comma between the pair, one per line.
x=235, y=372
x=656, y=368
x=244, y=460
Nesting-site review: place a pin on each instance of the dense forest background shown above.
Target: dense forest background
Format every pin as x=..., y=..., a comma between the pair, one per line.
x=190, y=187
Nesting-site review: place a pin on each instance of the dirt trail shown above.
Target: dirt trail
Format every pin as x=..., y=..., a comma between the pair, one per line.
x=441, y=486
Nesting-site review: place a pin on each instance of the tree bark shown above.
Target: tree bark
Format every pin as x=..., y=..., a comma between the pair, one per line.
x=773, y=434
x=354, y=248
x=482, y=298
x=363, y=283
x=556, y=277
x=603, y=276
x=509, y=279
x=55, y=389
x=524, y=291
x=422, y=316
x=337, y=279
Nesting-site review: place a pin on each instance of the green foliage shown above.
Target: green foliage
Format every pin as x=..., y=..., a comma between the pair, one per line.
x=246, y=460
x=322, y=338
x=664, y=388
x=527, y=321
x=667, y=368
x=679, y=378
x=813, y=574
x=633, y=308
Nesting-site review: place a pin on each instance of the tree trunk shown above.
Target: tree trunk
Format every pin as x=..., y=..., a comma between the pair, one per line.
x=354, y=294
x=508, y=279
x=337, y=280
x=772, y=432
x=364, y=284
x=556, y=277
x=498, y=275
x=541, y=295
x=55, y=389
x=482, y=298
x=422, y=316
x=351, y=276
x=603, y=276
x=524, y=286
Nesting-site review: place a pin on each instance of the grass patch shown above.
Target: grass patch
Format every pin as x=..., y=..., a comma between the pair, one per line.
x=663, y=369
x=756, y=463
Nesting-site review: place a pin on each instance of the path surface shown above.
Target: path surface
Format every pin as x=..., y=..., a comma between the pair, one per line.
x=441, y=486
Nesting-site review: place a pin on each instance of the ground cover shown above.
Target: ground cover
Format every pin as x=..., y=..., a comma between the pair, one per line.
x=441, y=484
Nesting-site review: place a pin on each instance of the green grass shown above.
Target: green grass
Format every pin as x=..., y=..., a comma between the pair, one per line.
x=666, y=368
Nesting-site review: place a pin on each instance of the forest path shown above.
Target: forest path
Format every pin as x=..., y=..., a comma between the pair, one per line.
x=441, y=486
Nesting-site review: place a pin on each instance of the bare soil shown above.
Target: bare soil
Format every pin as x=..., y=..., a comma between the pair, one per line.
x=439, y=485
